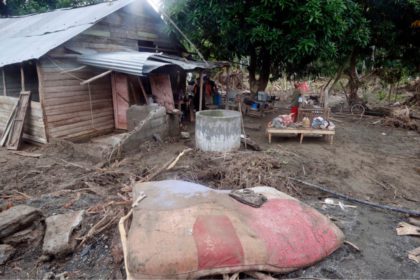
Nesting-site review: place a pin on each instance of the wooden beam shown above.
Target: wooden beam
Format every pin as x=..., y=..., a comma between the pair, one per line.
x=8, y=126
x=227, y=87
x=22, y=77
x=41, y=92
x=73, y=70
x=15, y=137
x=143, y=90
x=96, y=77
x=4, y=82
x=200, y=106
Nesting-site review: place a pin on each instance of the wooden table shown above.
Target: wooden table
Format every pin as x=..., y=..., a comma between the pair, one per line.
x=302, y=131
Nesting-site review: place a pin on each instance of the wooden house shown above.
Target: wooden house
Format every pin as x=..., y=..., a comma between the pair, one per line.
x=83, y=66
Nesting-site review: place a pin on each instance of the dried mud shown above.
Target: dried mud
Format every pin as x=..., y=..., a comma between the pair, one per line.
x=367, y=161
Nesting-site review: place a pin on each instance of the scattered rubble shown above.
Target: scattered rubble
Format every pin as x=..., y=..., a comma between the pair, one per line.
x=6, y=252
x=407, y=229
x=31, y=235
x=16, y=218
x=58, y=239
x=414, y=255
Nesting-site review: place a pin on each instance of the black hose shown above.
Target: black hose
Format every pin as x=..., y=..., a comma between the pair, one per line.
x=349, y=198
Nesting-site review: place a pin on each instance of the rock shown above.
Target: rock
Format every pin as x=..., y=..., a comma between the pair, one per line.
x=31, y=235
x=157, y=137
x=185, y=135
x=17, y=218
x=6, y=251
x=48, y=276
x=58, y=239
x=52, y=276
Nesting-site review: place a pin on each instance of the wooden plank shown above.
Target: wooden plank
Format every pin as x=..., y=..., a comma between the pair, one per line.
x=8, y=126
x=76, y=94
x=91, y=133
x=60, y=117
x=77, y=106
x=15, y=139
x=41, y=91
x=33, y=138
x=162, y=90
x=75, y=99
x=63, y=83
x=120, y=98
x=31, y=119
x=55, y=75
x=79, y=118
x=62, y=89
x=6, y=109
x=13, y=100
x=68, y=131
x=299, y=131
x=96, y=77
x=54, y=92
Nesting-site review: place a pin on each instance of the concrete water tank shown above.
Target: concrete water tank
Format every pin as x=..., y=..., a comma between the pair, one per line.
x=218, y=130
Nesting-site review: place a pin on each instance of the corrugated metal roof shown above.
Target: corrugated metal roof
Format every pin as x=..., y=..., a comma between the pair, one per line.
x=138, y=63
x=30, y=37
x=134, y=63
x=185, y=64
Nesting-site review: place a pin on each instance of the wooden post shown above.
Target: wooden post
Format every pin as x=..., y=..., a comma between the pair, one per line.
x=143, y=90
x=227, y=87
x=201, y=91
x=22, y=77
x=4, y=82
x=41, y=92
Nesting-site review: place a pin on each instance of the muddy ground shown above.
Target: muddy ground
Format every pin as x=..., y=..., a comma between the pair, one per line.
x=367, y=161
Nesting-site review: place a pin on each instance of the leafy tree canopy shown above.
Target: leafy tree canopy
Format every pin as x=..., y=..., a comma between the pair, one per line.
x=276, y=35
x=22, y=7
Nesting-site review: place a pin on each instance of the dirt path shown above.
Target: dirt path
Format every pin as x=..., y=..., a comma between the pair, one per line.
x=363, y=162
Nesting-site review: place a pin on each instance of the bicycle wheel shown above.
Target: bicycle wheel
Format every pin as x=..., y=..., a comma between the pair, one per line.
x=357, y=109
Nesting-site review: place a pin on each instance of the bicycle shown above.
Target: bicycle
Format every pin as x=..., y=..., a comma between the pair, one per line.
x=355, y=108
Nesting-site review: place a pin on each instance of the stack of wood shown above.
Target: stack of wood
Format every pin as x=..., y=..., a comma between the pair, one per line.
x=13, y=131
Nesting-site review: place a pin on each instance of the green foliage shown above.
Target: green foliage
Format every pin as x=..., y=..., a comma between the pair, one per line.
x=397, y=42
x=381, y=95
x=22, y=7
x=292, y=35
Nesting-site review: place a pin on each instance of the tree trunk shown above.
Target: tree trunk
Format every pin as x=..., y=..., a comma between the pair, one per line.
x=328, y=87
x=252, y=68
x=353, y=79
x=264, y=72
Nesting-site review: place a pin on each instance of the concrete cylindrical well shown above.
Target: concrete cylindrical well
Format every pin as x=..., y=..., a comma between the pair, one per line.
x=218, y=130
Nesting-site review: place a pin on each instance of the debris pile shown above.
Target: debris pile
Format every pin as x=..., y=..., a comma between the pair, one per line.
x=19, y=225
x=400, y=117
x=235, y=170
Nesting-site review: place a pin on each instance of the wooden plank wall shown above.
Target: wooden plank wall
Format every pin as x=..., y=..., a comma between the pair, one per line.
x=123, y=29
x=69, y=111
x=66, y=104
x=34, y=128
